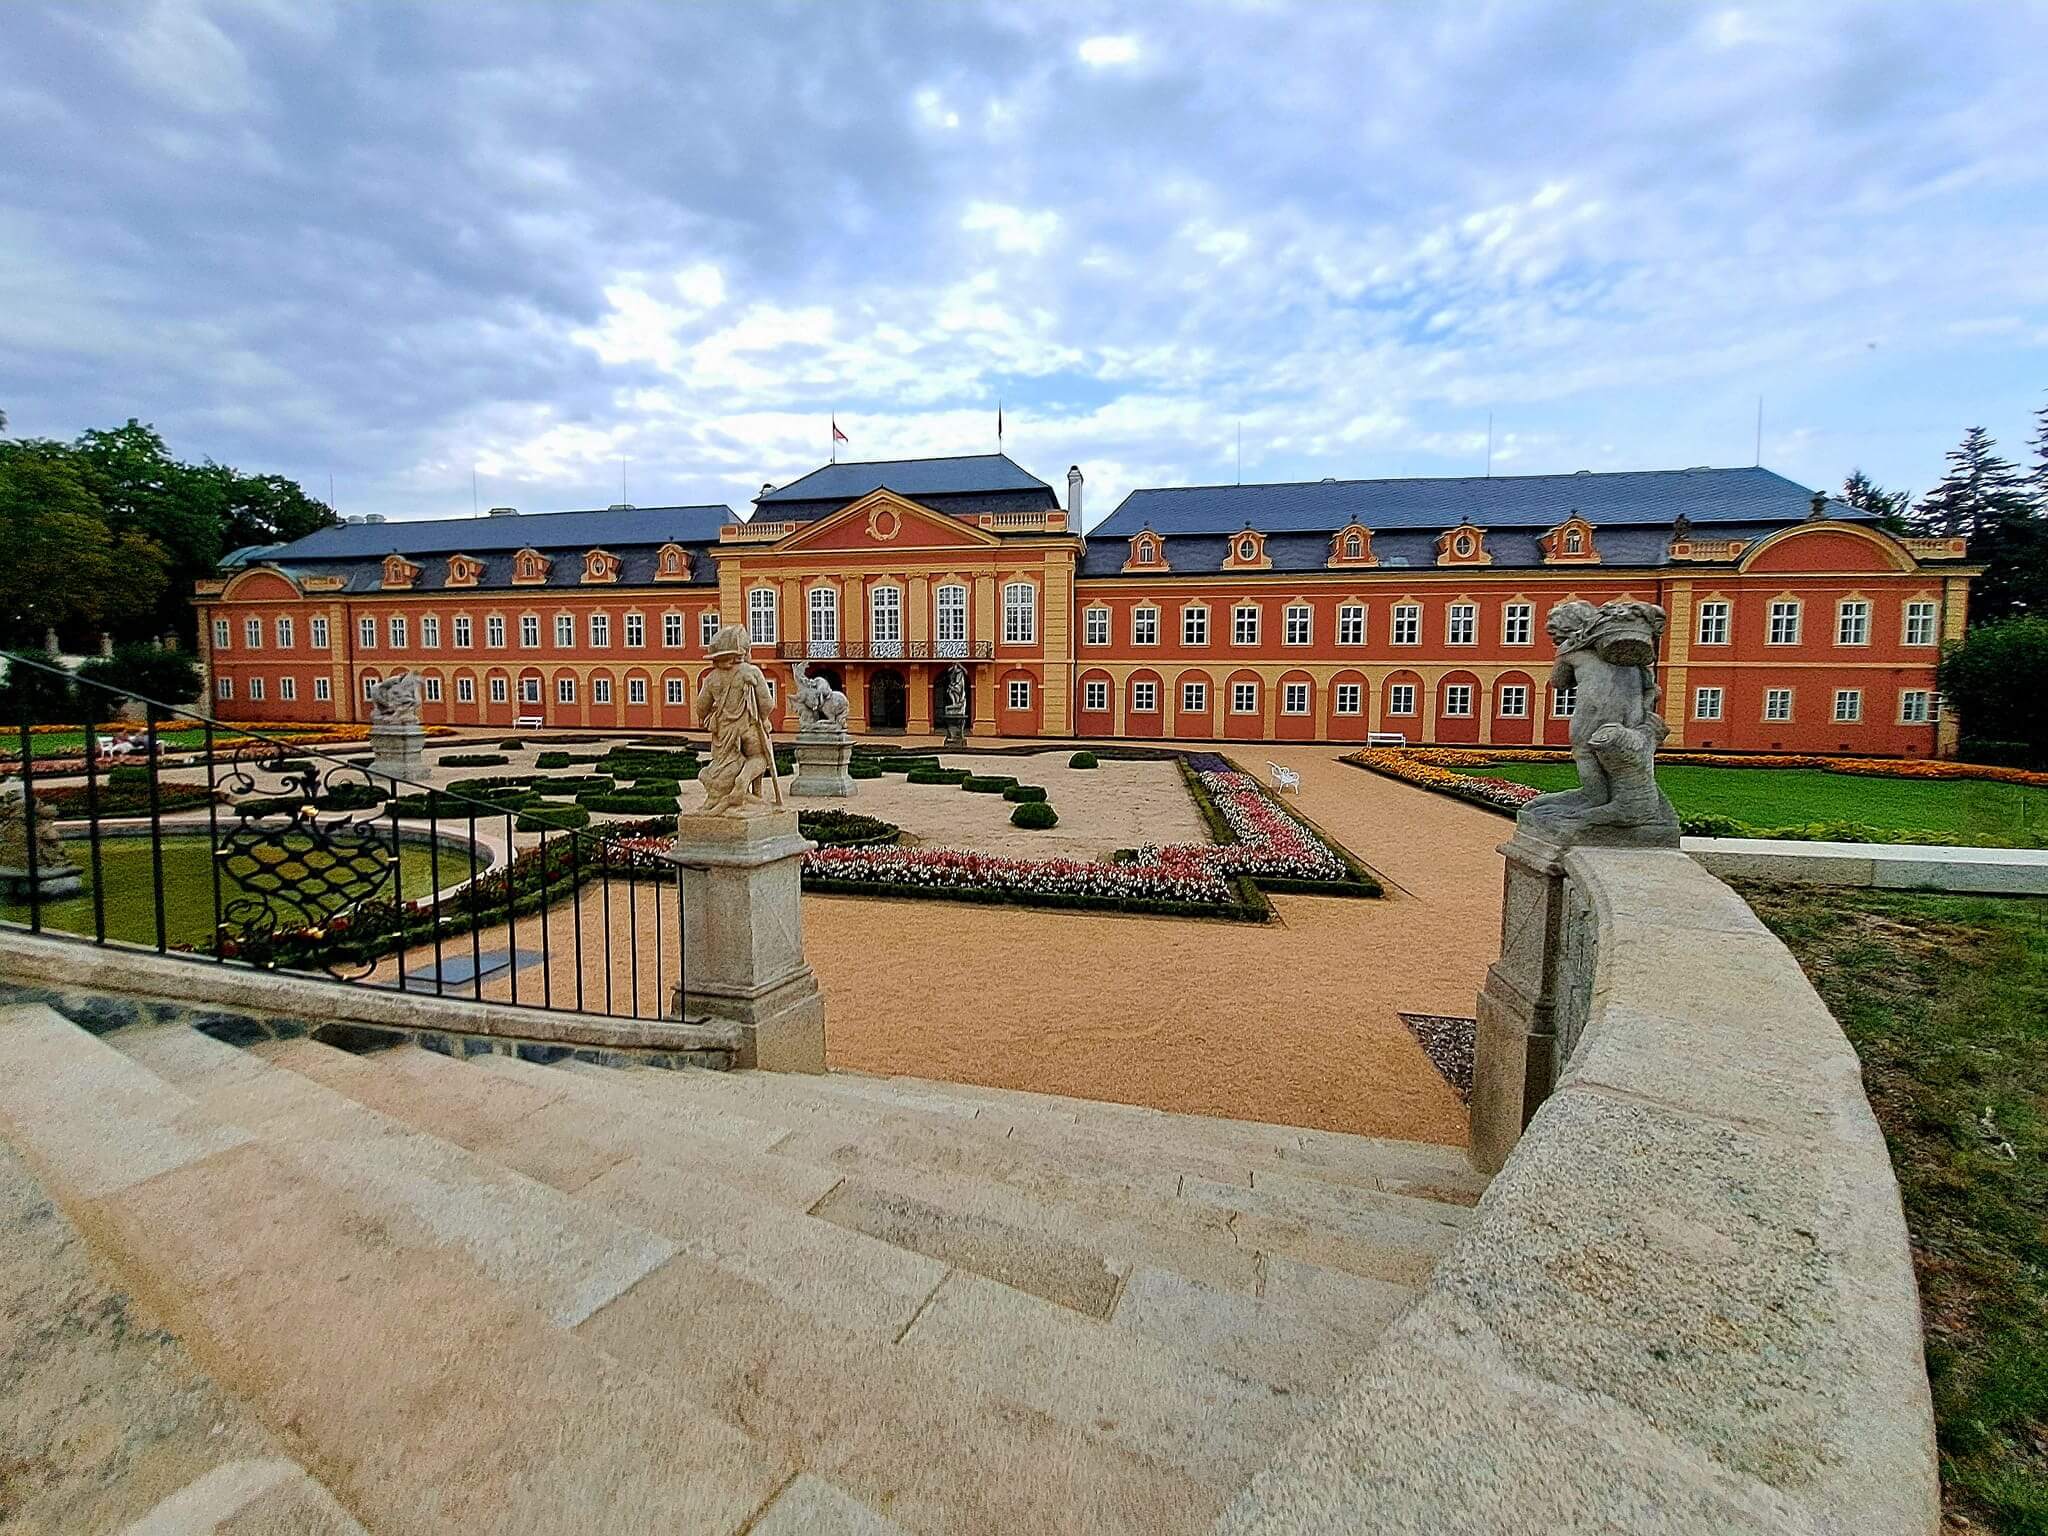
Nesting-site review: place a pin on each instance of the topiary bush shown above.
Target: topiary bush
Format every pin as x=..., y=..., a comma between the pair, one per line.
x=846, y=829
x=511, y=744
x=474, y=760
x=905, y=764
x=861, y=770
x=1020, y=793
x=628, y=805
x=987, y=783
x=1081, y=760
x=1034, y=816
x=940, y=775
x=553, y=818
x=351, y=797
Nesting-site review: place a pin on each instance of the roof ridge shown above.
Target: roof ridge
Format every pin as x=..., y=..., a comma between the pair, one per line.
x=1556, y=474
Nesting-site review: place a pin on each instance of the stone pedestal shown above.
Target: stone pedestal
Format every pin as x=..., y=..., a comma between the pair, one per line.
x=1514, y=1055
x=743, y=938
x=956, y=732
x=822, y=767
x=51, y=881
x=399, y=752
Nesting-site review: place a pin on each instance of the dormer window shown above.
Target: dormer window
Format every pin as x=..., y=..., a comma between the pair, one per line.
x=1463, y=545
x=672, y=563
x=530, y=567
x=399, y=572
x=1246, y=550
x=600, y=565
x=1570, y=542
x=1354, y=546
x=1146, y=549
x=463, y=570
x=1148, y=552
x=1574, y=542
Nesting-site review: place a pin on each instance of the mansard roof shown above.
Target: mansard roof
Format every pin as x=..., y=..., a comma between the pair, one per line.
x=609, y=527
x=975, y=474
x=1639, y=497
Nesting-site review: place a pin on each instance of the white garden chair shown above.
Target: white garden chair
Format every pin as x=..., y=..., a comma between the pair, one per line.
x=1284, y=779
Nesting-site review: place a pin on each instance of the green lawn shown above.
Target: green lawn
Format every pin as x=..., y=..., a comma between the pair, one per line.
x=1969, y=811
x=1946, y=1001
x=188, y=888
x=72, y=743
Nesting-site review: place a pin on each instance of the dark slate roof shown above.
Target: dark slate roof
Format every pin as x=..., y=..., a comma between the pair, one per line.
x=919, y=478
x=968, y=505
x=604, y=529
x=636, y=569
x=1642, y=497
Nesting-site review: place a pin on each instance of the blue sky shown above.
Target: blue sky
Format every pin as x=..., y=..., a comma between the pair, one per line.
x=398, y=243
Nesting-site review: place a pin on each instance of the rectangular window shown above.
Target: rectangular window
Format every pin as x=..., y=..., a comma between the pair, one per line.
x=223, y=688
x=1401, y=699
x=1194, y=625
x=1777, y=703
x=1351, y=624
x=952, y=612
x=494, y=632
x=1297, y=624
x=565, y=690
x=600, y=690
x=1020, y=613
x=1020, y=693
x=1294, y=699
x=1852, y=622
x=636, y=690
x=366, y=634
x=1713, y=626
x=529, y=690
x=318, y=632
x=369, y=686
x=465, y=690
x=256, y=689
x=1144, y=698
x=672, y=630
x=600, y=630
x=398, y=635
x=1915, y=707
x=1144, y=626
x=288, y=689
x=1095, y=627
x=673, y=690
x=433, y=690
x=497, y=690
x=1784, y=622
x=1517, y=624
x=529, y=631
x=1848, y=706
x=286, y=634
x=707, y=627
x=1514, y=702
x=1350, y=698
x=220, y=634
x=323, y=689
x=1194, y=698
x=1563, y=701
x=885, y=621
x=1407, y=624
x=1458, y=699
x=1919, y=623
x=430, y=632
x=1095, y=695
x=1244, y=698
x=1461, y=624
x=761, y=615
x=252, y=633
x=565, y=631
x=1244, y=625
x=1706, y=703
x=636, y=631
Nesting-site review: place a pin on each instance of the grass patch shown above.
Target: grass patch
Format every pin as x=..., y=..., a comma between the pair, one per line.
x=1946, y=1001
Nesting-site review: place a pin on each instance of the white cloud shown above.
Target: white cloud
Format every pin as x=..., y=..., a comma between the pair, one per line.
x=1013, y=229
x=1107, y=51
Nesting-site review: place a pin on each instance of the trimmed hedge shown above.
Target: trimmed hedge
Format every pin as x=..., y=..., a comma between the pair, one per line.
x=1034, y=816
x=1017, y=794
x=846, y=829
x=491, y=782
x=553, y=818
x=628, y=805
x=351, y=797
x=901, y=764
x=940, y=775
x=69, y=802
x=1081, y=760
x=511, y=744
x=860, y=770
x=474, y=760
x=574, y=784
x=987, y=784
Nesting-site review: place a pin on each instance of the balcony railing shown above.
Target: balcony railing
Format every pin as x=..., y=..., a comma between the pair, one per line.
x=886, y=650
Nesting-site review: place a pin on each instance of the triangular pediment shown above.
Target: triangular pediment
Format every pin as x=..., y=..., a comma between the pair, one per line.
x=884, y=520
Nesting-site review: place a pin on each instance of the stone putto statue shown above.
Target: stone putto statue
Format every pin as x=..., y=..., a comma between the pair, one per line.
x=735, y=704
x=1608, y=656
x=820, y=708
x=955, y=698
x=395, y=700
x=56, y=875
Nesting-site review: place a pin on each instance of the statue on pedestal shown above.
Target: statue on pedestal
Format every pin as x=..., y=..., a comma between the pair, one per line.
x=953, y=705
x=1608, y=657
x=397, y=739
x=55, y=874
x=395, y=701
x=820, y=708
x=735, y=704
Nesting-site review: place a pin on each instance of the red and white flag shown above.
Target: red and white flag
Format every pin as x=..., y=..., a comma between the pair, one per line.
x=837, y=435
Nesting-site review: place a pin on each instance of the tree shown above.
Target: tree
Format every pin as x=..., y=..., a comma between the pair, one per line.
x=2037, y=478
x=180, y=508
x=1865, y=494
x=264, y=509
x=1982, y=499
x=168, y=677
x=1996, y=679
x=64, y=567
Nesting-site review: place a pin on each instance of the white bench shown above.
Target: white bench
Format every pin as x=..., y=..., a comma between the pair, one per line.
x=529, y=723
x=117, y=746
x=1284, y=779
x=1385, y=739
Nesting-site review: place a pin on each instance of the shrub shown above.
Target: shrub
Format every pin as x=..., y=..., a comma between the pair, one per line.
x=651, y=787
x=1081, y=760
x=860, y=770
x=69, y=801
x=268, y=805
x=169, y=677
x=574, y=784
x=573, y=741
x=552, y=760
x=986, y=784
x=846, y=829
x=2002, y=754
x=628, y=805
x=1019, y=793
x=351, y=797
x=903, y=764
x=1996, y=678
x=47, y=698
x=511, y=744
x=486, y=785
x=128, y=775
x=474, y=760
x=940, y=775
x=553, y=818
x=1034, y=816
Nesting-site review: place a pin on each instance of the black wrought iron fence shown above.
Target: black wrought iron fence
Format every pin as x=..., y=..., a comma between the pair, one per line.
x=142, y=823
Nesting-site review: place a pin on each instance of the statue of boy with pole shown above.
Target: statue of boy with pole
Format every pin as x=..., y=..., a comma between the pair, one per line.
x=735, y=705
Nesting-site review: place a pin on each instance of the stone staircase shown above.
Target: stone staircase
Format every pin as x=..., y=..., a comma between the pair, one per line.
x=397, y=1292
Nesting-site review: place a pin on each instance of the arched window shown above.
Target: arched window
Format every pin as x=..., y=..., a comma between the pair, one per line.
x=1020, y=613
x=1354, y=546
x=824, y=633
x=952, y=622
x=1574, y=542
x=761, y=615
x=885, y=622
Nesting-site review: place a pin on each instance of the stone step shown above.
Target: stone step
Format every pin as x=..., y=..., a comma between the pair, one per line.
x=557, y=1254
x=417, y=1390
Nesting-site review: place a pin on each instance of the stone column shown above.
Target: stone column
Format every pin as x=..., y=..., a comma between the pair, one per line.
x=1513, y=1065
x=743, y=938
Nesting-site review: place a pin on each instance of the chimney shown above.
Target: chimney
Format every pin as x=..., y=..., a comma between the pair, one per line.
x=503, y=512
x=1074, y=497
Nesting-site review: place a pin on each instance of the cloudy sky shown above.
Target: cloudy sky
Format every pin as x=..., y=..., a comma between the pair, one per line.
x=398, y=243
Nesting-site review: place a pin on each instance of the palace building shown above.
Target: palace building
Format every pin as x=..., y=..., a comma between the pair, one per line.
x=1330, y=610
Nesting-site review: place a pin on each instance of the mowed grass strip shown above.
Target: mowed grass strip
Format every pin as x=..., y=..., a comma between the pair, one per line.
x=1946, y=1001
x=1965, y=810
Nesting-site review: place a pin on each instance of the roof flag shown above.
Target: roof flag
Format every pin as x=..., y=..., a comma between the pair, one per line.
x=999, y=426
x=838, y=437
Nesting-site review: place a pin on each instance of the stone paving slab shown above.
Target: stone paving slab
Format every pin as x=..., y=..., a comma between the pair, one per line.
x=1887, y=866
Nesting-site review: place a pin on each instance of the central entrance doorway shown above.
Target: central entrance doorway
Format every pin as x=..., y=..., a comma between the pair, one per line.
x=888, y=700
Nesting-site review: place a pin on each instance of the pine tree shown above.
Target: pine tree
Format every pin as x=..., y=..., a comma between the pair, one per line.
x=2037, y=479
x=1982, y=498
x=1866, y=495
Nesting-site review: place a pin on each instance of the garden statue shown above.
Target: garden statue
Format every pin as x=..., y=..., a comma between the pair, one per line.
x=396, y=700
x=1607, y=656
x=955, y=700
x=820, y=708
x=734, y=704
x=55, y=874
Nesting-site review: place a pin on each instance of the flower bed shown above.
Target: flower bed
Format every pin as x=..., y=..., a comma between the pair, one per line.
x=1383, y=759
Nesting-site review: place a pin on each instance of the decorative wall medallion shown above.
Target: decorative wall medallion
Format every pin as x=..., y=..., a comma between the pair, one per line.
x=883, y=524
